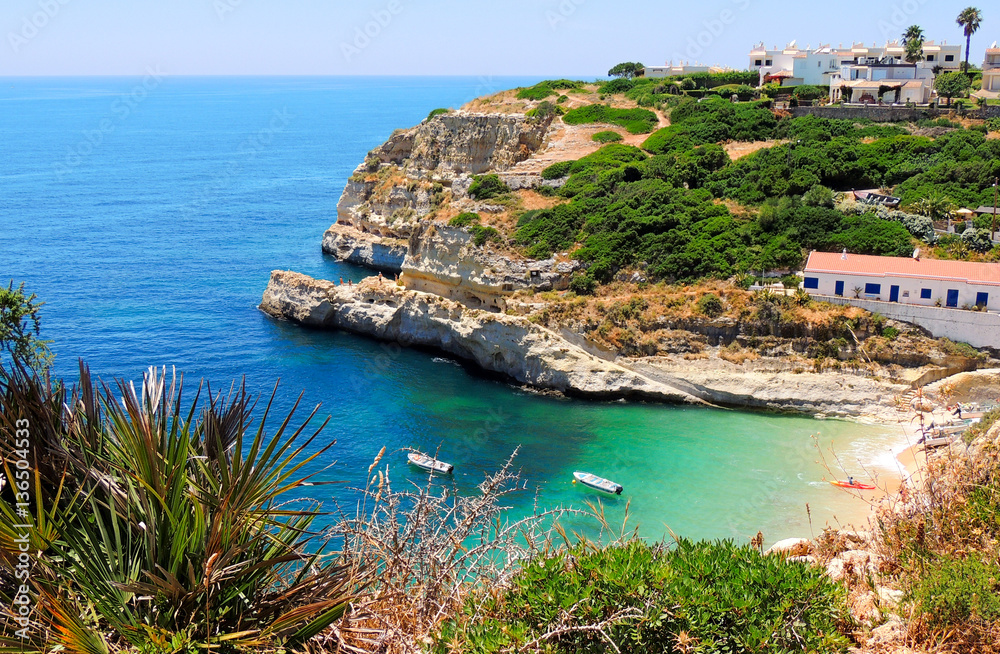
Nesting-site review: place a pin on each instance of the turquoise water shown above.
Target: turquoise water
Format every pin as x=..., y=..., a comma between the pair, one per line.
x=148, y=214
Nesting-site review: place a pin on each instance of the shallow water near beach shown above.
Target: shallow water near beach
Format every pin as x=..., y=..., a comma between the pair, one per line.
x=150, y=234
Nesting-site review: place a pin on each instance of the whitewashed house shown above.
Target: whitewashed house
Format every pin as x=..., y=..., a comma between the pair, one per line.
x=924, y=282
x=924, y=292
x=679, y=70
x=991, y=71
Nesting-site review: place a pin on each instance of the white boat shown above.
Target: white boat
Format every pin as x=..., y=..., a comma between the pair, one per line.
x=598, y=483
x=427, y=463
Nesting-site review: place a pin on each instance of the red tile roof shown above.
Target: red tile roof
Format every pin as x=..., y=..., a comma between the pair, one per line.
x=861, y=264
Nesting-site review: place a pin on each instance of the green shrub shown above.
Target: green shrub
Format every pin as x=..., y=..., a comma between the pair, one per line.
x=721, y=597
x=547, y=88
x=539, y=91
x=583, y=284
x=818, y=196
x=711, y=305
x=636, y=121
x=951, y=591
x=437, y=112
x=557, y=170
x=891, y=333
x=485, y=187
x=545, y=109
x=481, y=234
x=606, y=136
x=464, y=219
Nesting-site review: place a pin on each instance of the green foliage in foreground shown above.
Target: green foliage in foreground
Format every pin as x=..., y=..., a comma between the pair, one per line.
x=607, y=136
x=636, y=121
x=20, y=327
x=710, y=597
x=149, y=512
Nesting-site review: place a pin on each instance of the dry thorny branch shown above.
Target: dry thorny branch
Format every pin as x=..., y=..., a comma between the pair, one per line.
x=424, y=547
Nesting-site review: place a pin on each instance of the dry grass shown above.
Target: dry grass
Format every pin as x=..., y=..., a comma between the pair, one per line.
x=739, y=149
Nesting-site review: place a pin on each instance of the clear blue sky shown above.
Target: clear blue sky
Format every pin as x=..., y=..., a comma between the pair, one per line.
x=439, y=37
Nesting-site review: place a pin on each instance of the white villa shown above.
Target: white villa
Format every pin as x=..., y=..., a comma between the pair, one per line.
x=991, y=70
x=862, y=69
x=684, y=68
x=887, y=80
x=924, y=282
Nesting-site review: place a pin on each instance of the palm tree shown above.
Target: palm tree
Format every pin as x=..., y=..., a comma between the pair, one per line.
x=934, y=206
x=913, y=42
x=969, y=19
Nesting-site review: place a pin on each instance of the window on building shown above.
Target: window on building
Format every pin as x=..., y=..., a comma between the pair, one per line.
x=873, y=289
x=758, y=62
x=768, y=63
x=811, y=282
x=930, y=57
x=949, y=57
x=982, y=299
x=925, y=294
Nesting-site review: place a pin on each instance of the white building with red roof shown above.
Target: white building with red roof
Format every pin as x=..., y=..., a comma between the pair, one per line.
x=934, y=294
x=927, y=282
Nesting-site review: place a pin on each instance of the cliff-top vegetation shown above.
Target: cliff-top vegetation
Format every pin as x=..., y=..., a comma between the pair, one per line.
x=677, y=208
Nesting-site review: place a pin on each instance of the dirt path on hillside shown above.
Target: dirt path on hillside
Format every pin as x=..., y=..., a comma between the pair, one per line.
x=572, y=142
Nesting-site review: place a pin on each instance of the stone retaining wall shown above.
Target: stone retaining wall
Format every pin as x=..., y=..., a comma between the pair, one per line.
x=977, y=328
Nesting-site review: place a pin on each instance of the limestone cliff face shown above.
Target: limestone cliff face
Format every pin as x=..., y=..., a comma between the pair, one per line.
x=445, y=261
x=379, y=253
x=462, y=142
x=512, y=346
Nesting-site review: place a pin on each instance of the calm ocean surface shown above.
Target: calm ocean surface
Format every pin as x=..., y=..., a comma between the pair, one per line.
x=148, y=214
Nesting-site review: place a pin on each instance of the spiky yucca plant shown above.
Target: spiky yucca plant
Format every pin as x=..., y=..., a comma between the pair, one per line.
x=161, y=525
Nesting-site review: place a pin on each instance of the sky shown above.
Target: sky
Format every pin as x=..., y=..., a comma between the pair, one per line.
x=564, y=38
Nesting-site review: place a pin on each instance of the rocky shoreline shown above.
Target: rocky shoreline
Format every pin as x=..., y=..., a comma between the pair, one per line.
x=530, y=354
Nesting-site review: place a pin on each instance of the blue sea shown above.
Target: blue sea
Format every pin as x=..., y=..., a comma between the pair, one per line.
x=149, y=212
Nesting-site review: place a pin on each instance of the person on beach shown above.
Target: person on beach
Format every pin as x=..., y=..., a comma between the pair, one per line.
x=850, y=480
x=958, y=411
x=341, y=281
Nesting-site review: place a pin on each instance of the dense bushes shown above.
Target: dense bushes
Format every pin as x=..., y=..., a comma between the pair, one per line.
x=711, y=597
x=712, y=121
x=842, y=163
x=547, y=88
x=636, y=121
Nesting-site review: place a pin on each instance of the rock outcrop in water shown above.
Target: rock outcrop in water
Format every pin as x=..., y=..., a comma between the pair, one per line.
x=383, y=211
x=511, y=346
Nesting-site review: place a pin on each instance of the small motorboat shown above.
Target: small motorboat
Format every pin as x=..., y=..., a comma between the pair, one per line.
x=856, y=485
x=598, y=483
x=430, y=465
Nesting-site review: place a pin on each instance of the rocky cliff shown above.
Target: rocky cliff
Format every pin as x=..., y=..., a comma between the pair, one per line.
x=503, y=344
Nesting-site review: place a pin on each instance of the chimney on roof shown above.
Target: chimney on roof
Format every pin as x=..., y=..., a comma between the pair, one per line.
x=843, y=256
